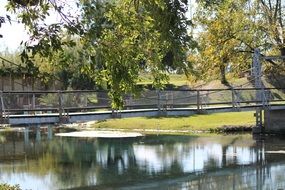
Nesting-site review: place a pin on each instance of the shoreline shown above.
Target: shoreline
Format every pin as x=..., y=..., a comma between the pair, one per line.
x=230, y=122
x=224, y=129
x=89, y=126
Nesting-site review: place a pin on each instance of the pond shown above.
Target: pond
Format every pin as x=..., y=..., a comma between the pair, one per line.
x=36, y=159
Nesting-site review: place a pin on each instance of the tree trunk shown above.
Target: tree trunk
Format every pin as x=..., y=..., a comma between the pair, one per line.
x=223, y=75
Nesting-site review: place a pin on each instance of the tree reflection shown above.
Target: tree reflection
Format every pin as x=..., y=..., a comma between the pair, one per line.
x=174, y=161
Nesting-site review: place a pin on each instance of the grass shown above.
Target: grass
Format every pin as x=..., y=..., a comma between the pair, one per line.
x=244, y=82
x=210, y=122
x=175, y=79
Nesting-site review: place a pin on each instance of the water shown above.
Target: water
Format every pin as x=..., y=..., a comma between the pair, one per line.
x=35, y=159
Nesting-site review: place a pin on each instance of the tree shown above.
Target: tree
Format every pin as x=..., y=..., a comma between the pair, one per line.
x=130, y=39
x=270, y=18
x=67, y=67
x=227, y=38
x=120, y=38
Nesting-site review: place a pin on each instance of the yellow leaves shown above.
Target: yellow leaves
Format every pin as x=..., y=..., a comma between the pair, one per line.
x=223, y=33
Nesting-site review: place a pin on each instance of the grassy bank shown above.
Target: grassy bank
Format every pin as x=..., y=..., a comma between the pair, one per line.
x=209, y=122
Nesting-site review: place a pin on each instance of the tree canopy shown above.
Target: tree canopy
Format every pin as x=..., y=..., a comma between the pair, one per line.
x=229, y=32
x=118, y=38
x=110, y=42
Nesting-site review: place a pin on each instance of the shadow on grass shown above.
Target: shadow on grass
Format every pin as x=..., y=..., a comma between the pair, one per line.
x=177, y=117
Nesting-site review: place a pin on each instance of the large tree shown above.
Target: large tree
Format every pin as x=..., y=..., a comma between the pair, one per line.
x=120, y=38
x=228, y=37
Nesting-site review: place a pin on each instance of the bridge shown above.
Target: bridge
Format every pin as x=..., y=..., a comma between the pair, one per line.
x=43, y=107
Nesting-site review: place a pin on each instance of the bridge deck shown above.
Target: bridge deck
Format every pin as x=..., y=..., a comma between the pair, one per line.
x=52, y=118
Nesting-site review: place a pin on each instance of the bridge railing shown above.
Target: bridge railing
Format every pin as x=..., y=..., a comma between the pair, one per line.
x=54, y=101
x=93, y=100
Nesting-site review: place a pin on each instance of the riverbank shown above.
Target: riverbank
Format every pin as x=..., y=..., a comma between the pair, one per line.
x=202, y=123
x=229, y=122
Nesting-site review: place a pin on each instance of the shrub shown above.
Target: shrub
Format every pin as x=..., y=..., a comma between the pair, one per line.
x=6, y=186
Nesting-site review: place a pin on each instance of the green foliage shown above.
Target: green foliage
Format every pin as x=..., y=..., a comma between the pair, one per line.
x=111, y=42
x=10, y=63
x=230, y=30
x=227, y=39
x=132, y=38
x=68, y=100
x=6, y=186
x=70, y=66
x=269, y=16
x=120, y=39
x=49, y=100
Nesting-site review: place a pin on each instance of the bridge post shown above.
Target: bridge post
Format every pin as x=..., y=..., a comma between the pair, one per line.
x=233, y=98
x=33, y=103
x=3, y=117
x=1, y=108
x=198, y=101
x=60, y=106
x=258, y=121
x=256, y=73
x=116, y=113
x=158, y=101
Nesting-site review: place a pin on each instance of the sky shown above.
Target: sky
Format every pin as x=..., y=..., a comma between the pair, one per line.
x=15, y=32
x=12, y=33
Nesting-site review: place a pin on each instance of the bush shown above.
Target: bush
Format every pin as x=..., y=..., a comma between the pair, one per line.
x=6, y=186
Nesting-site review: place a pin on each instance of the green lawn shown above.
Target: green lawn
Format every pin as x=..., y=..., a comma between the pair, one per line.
x=174, y=79
x=191, y=123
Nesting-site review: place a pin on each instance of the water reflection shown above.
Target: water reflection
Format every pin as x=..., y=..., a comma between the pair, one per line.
x=151, y=162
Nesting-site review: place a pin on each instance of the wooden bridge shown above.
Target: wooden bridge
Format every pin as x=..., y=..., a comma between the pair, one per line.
x=42, y=107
